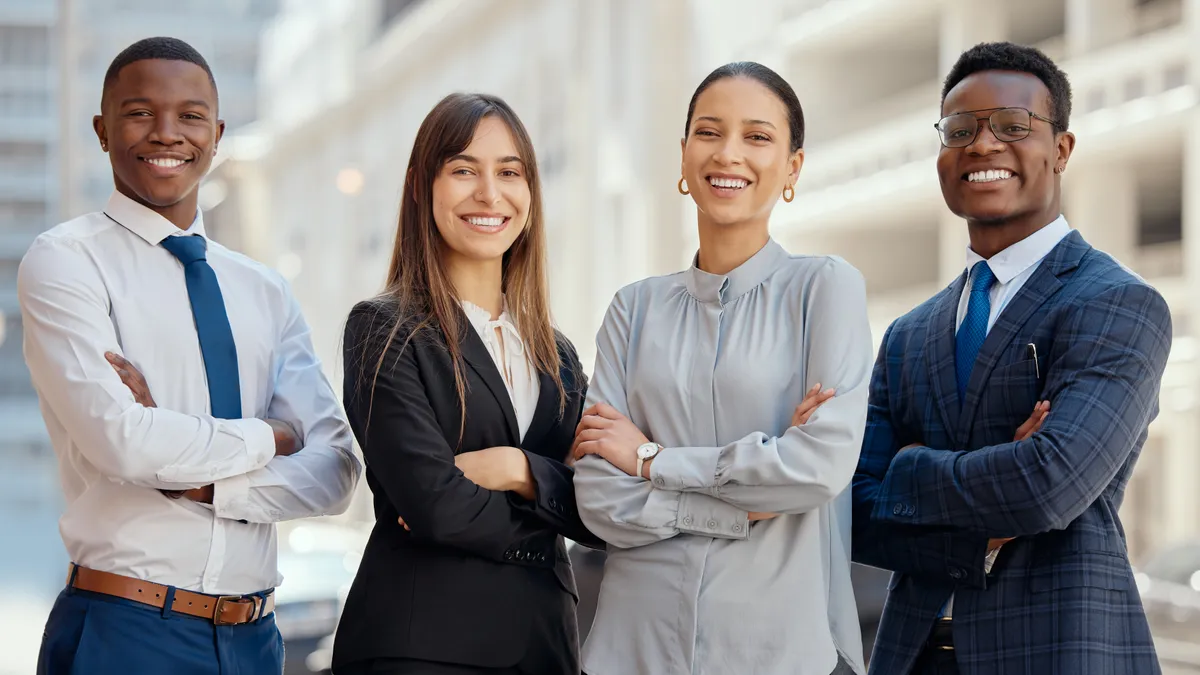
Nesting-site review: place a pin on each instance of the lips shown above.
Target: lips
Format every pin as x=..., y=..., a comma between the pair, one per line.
x=487, y=223
x=165, y=165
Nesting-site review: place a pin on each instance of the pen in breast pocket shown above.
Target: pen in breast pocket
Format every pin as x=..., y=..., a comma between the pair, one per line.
x=1037, y=369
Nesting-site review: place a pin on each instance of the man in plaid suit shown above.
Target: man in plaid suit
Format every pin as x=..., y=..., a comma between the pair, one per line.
x=1000, y=525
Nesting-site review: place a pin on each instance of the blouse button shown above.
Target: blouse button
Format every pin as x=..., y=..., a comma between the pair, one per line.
x=687, y=520
x=712, y=524
x=737, y=528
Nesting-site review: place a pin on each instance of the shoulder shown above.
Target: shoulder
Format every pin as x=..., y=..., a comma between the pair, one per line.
x=647, y=290
x=251, y=268
x=65, y=251
x=826, y=269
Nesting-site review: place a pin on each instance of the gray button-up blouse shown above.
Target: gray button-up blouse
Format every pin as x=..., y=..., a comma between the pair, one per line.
x=712, y=367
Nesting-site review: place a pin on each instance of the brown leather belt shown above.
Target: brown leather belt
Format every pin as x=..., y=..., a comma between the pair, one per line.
x=224, y=610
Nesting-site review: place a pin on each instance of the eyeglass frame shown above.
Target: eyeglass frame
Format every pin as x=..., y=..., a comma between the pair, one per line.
x=1032, y=116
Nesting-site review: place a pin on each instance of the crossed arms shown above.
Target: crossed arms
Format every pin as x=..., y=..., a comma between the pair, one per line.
x=68, y=331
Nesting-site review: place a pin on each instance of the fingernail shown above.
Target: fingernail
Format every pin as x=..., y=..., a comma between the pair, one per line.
x=828, y=391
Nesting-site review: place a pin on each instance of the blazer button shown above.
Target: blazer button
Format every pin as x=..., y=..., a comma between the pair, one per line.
x=541, y=557
x=957, y=573
x=897, y=509
x=553, y=503
x=910, y=510
x=509, y=555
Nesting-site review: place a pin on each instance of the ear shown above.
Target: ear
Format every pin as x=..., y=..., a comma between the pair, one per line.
x=220, y=135
x=1065, y=145
x=795, y=162
x=101, y=131
x=682, y=150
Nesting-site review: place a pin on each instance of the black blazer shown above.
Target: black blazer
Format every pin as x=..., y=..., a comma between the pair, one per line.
x=482, y=579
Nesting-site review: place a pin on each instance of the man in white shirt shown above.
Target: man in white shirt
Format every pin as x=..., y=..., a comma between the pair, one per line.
x=172, y=499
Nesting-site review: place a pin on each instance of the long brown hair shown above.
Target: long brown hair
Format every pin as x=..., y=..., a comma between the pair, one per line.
x=417, y=284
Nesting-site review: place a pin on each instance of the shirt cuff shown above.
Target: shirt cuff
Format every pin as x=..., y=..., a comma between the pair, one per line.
x=685, y=469
x=231, y=497
x=711, y=517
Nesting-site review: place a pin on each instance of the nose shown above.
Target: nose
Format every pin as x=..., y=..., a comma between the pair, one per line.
x=489, y=190
x=165, y=131
x=985, y=142
x=729, y=151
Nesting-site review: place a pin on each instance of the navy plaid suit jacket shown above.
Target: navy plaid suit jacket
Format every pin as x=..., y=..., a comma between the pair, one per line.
x=1061, y=598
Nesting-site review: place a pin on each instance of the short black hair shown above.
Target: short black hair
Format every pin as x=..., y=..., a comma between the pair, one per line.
x=1019, y=58
x=767, y=78
x=166, y=48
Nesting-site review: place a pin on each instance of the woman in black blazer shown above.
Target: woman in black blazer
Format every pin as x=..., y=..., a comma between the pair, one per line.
x=465, y=400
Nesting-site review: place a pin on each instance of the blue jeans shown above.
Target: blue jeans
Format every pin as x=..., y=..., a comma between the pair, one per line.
x=94, y=634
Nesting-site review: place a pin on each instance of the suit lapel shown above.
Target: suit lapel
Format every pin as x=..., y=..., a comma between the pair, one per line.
x=1039, y=288
x=476, y=355
x=545, y=414
x=940, y=348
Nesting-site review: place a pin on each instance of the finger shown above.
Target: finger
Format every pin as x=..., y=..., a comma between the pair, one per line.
x=608, y=412
x=115, y=359
x=593, y=422
x=587, y=448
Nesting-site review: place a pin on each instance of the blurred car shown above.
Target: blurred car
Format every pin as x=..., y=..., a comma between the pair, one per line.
x=318, y=562
x=1169, y=584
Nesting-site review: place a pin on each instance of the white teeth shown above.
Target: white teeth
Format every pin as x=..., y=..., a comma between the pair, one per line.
x=989, y=175
x=165, y=163
x=486, y=222
x=732, y=183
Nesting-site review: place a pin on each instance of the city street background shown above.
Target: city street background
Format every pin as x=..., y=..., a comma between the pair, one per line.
x=322, y=99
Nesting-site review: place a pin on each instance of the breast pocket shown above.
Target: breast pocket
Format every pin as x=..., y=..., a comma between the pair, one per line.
x=1015, y=388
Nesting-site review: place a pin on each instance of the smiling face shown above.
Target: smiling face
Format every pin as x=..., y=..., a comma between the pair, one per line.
x=992, y=182
x=737, y=156
x=481, y=196
x=161, y=130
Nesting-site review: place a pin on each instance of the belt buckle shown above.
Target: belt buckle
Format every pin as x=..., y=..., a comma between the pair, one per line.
x=218, y=620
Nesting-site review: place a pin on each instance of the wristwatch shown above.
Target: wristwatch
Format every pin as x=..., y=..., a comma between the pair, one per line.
x=646, y=451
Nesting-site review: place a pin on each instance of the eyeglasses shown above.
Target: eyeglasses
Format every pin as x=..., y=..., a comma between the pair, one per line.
x=1008, y=125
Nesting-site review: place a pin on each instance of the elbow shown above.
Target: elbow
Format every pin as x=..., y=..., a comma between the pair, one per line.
x=348, y=483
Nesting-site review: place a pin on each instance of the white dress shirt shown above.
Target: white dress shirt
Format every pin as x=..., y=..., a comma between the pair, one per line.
x=504, y=343
x=1012, y=267
x=102, y=282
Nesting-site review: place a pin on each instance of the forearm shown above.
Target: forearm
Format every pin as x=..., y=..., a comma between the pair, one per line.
x=626, y=511
x=316, y=481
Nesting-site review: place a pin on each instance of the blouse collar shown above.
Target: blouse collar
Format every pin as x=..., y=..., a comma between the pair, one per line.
x=725, y=288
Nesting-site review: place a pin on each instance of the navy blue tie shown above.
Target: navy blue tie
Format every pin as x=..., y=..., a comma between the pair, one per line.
x=974, y=328
x=212, y=325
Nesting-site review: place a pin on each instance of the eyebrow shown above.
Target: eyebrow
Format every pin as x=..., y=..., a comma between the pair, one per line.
x=747, y=122
x=475, y=160
x=193, y=102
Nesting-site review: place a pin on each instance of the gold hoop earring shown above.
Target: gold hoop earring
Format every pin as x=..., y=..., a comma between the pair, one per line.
x=789, y=193
x=682, y=186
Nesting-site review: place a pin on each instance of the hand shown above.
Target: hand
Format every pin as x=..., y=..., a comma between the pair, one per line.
x=755, y=516
x=404, y=524
x=813, y=399
x=607, y=433
x=132, y=378
x=287, y=441
x=1034, y=423
x=505, y=469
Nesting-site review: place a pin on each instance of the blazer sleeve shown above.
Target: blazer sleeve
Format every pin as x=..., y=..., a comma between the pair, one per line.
x=628, y=511
x=1103, y=394
x=556, y=504
x=808, y=465
x=407, y=453
x=942, y=554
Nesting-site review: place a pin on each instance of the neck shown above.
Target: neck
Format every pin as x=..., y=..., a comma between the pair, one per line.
x=990, y=238
x=479, y=282
x=723, y=248
x=181, y=214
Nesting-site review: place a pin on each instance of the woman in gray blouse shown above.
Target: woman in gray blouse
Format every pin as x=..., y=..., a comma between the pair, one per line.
x=724, y=505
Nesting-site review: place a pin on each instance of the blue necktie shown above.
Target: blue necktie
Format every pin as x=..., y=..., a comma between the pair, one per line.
x=974, y=327
x=212, y=325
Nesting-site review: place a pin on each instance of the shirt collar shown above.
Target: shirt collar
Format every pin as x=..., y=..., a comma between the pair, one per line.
x=1009, y=263
x=725, y=288
x=146, y=223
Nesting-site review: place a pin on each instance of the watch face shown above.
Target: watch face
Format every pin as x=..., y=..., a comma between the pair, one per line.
x=646, y=451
